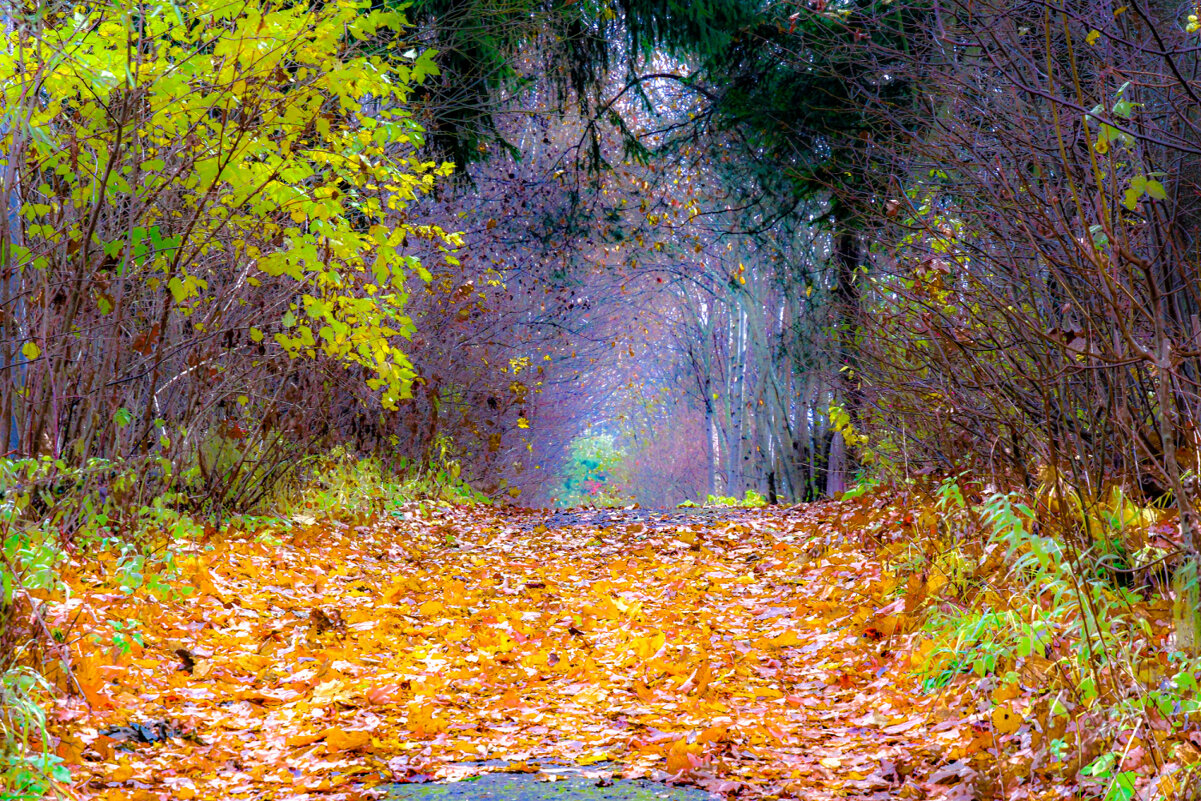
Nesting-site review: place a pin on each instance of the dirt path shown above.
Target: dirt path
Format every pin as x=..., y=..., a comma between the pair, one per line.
x=742, y=652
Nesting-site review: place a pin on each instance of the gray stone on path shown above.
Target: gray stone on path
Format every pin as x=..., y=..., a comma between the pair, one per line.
x=572, y=786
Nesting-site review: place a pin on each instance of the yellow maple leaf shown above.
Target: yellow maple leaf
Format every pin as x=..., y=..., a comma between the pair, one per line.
x=646, y=647
x=421, y=721
x=431, y=608
x=786, y=639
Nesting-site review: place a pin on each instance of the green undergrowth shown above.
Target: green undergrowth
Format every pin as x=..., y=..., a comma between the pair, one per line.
x=339, y=485
x=1076, y=671
x=749, y=500
x=93, y=517
x=28, y=769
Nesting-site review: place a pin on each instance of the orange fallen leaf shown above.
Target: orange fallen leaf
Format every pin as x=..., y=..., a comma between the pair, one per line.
x=431, y=608
x=1004, y=720
x=682, y=756
x=346, y=740
x=383, y=694
x=306, y=738
x=786, y=639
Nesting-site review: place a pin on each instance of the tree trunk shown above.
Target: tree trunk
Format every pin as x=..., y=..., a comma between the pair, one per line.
x=848, y=257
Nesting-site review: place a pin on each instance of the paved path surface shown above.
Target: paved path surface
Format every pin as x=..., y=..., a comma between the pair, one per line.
x=529, y=787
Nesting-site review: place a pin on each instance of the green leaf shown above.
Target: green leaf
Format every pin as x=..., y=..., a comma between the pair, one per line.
x=1130, y=200
x=1155, y=190
x=1101, y=765
x=1124, y=109
x=1123, y=786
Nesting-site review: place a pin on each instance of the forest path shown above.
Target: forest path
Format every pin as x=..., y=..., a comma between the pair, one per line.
x=744, y=652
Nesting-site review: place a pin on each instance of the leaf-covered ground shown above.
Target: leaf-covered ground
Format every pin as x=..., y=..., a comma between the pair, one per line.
x=744, y=652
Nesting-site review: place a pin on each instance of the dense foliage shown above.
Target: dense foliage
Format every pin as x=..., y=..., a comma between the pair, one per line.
x=204, y=263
